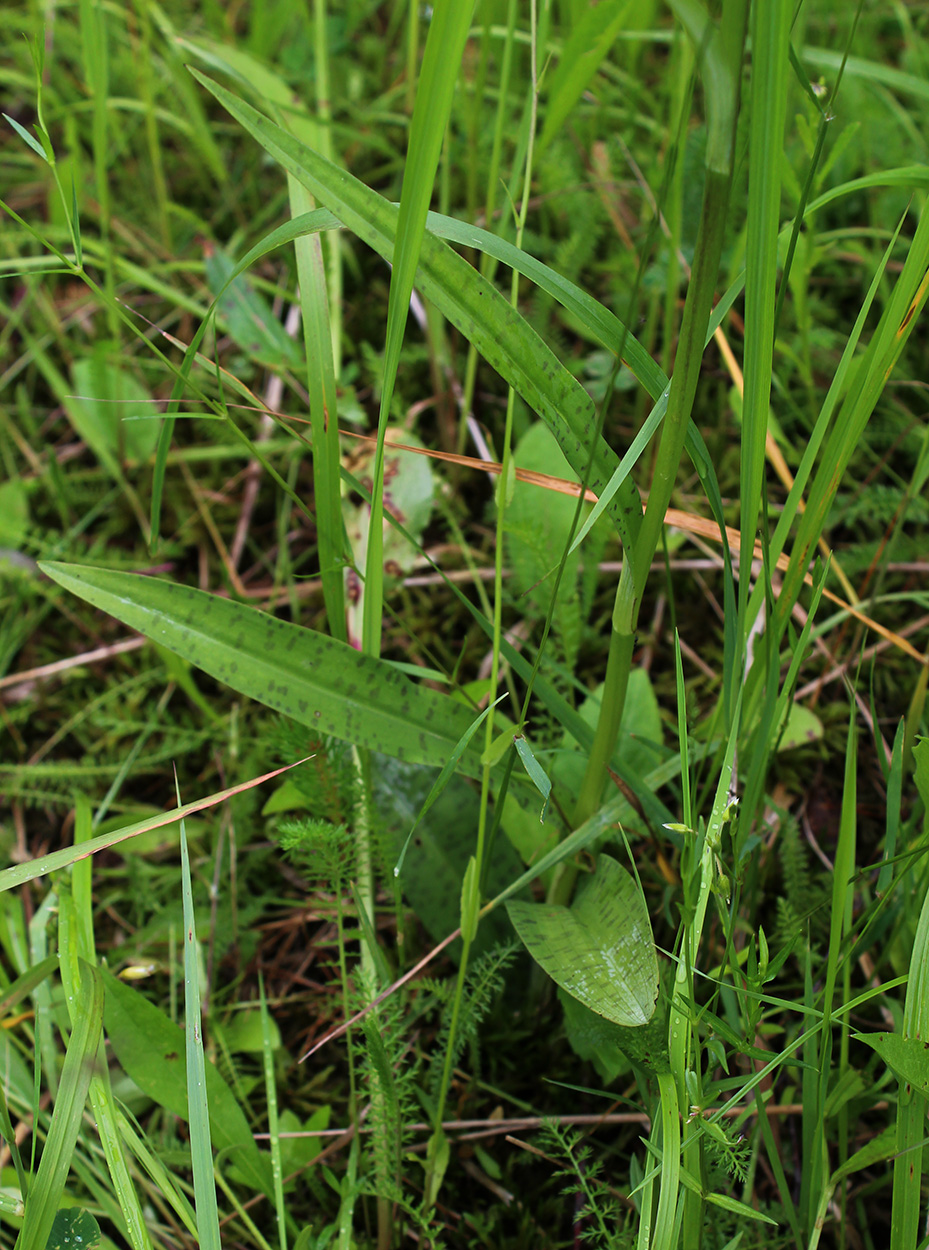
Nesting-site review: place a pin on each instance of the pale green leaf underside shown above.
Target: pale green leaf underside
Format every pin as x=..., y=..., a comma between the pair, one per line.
x=600, y=950
x=317, y=681
x=907, y=1057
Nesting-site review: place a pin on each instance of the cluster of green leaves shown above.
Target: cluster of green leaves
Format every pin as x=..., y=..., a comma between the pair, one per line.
x=151, y=250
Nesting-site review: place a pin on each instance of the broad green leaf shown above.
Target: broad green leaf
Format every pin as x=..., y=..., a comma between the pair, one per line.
x=600, y=950
x=245, y=1033
x=803, y=727
x=317, y=681
x=150, y=1048
x=74, y=1229
x=105, y=394
x=593, y=1039
x=503, y=337
x=907, y=1057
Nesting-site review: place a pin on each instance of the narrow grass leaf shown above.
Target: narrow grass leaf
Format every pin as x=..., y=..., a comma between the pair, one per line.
x=76, y=947
x=27, y=137
x=10, y=878
x=726, y=1203
x=150, y=1049
x=583, y=53
x=159, y=1174
x=277, y=1174
x=892, y=813
x=324, y=408
x=682, y=738
x=448, y=30
x=909, y=177
x=770, y=40
x=911, y=1102
x=198, y=1103
x=24, y=984
x=49, y=1184
x=537, y=773
x=868, y=381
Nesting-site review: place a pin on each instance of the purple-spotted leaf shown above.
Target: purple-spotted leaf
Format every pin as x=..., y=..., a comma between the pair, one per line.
x=317, y=681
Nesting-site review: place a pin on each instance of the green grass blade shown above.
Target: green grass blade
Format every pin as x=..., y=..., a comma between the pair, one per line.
x=474, y=306
x=448, y=30
x=318, y=681
x=663, y=1237
x=682, y=736
x=584, y=51
x=49, y=1184
x=201, y=1150
x=598, y=320
x=267, y=1054
x=324, y=408
x=76, y=942
x=10, y=878
x=770, y=40
x=159, y=1174
x=869, y=379
x=892, y=814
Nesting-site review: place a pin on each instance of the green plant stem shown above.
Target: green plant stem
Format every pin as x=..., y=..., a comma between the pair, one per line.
x=636, y=564
x=503, y=491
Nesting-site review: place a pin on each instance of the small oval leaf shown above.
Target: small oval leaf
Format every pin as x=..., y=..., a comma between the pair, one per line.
x=600, y=950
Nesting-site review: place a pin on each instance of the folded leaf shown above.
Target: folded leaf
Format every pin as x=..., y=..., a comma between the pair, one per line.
x=601, y=949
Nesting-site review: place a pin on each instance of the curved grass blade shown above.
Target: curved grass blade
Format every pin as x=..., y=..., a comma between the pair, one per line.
x=44, y=864
x=474, y=306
